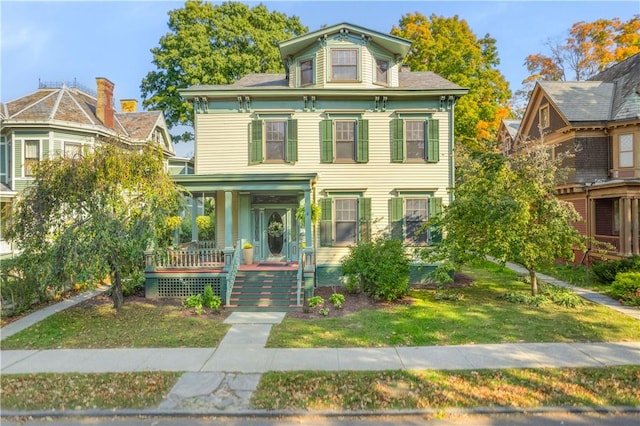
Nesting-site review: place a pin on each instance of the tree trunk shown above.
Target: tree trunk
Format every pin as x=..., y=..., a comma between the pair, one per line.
x=534, y=282
x=116, y=290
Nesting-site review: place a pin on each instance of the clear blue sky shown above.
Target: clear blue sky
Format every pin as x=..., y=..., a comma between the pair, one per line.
x=56, y=40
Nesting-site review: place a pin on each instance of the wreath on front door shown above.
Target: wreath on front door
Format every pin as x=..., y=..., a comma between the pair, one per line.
x=275, y=229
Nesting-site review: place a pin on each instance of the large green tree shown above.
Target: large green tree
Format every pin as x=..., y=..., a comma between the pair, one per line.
x=213, y=44
x=505, y=207
x=92, y=216
x=448, y=47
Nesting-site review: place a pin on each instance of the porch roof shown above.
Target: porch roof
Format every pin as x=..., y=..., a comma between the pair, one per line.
x=247, y=182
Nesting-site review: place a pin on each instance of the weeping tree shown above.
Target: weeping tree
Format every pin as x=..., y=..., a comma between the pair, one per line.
x=91, y=217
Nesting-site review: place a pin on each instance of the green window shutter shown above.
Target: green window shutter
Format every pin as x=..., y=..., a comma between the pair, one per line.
x=362, y=144
x=255, y=146
x=396, y=216
x=292, y=141
x=326, y=222
x=435, y=208
x=364, y=219
x=397, y=141
x=433, y=142
x=326, y=137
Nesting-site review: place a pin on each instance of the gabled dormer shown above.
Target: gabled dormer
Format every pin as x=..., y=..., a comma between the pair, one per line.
x=342, y=56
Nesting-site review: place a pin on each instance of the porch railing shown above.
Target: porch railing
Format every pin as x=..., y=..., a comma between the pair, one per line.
x=188, y=257
x=233, y=270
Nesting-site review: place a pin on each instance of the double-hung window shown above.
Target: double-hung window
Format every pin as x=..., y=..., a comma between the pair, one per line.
x=415, y=217
x=274, y=141
x=306, y=72
x=415, y=140
x=345, y=141
x=344, y=64
x=409, y=215
x=31, y=156
x=344, y=220
x=625, y=150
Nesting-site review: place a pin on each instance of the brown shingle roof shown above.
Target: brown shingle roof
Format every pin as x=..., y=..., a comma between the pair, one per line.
x=73, y=106
x=139, y=125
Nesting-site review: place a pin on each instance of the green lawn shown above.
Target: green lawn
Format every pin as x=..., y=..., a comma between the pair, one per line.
x=480, y=317
x=580, y=276
x=389, y=390
x=137, y=325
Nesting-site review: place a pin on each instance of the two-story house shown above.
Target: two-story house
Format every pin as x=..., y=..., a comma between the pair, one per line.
x=347, y=128
x=598, y=123
x=63, y=119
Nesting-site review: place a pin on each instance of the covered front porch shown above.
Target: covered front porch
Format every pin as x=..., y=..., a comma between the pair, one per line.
x=614, y=216
x=250, y=209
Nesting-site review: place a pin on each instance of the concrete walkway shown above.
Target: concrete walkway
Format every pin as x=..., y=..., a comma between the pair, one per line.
x=587, y=294
x=223, y=378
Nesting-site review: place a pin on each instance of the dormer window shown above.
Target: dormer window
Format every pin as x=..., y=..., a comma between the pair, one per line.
x=344, y=64
x=306, y=72
x=382, y=71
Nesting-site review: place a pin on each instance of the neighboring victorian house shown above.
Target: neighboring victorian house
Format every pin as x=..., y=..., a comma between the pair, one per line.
x=346, y=128
x=62, y=119
x=598, y=122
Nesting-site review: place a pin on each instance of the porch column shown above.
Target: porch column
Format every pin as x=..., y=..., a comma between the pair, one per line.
x=307, y=219
x=309, y=261
x=228, y=228
x=625, y=226
x=635, y=223
x=194, y=214
x=591, y=220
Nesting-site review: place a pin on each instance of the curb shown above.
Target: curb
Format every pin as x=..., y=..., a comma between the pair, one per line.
x=329, y=414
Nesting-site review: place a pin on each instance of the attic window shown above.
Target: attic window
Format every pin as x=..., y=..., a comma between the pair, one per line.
x=344, y=64
x=544, y=117
x=382, y=71
x=306, y=72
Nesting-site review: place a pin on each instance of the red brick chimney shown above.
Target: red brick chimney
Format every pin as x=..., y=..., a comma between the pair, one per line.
x=104, y=104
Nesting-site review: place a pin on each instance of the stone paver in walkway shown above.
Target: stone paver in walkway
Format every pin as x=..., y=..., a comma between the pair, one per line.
x=212, y=391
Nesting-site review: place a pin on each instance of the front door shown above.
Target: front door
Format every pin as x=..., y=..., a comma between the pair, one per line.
x=277, y=234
